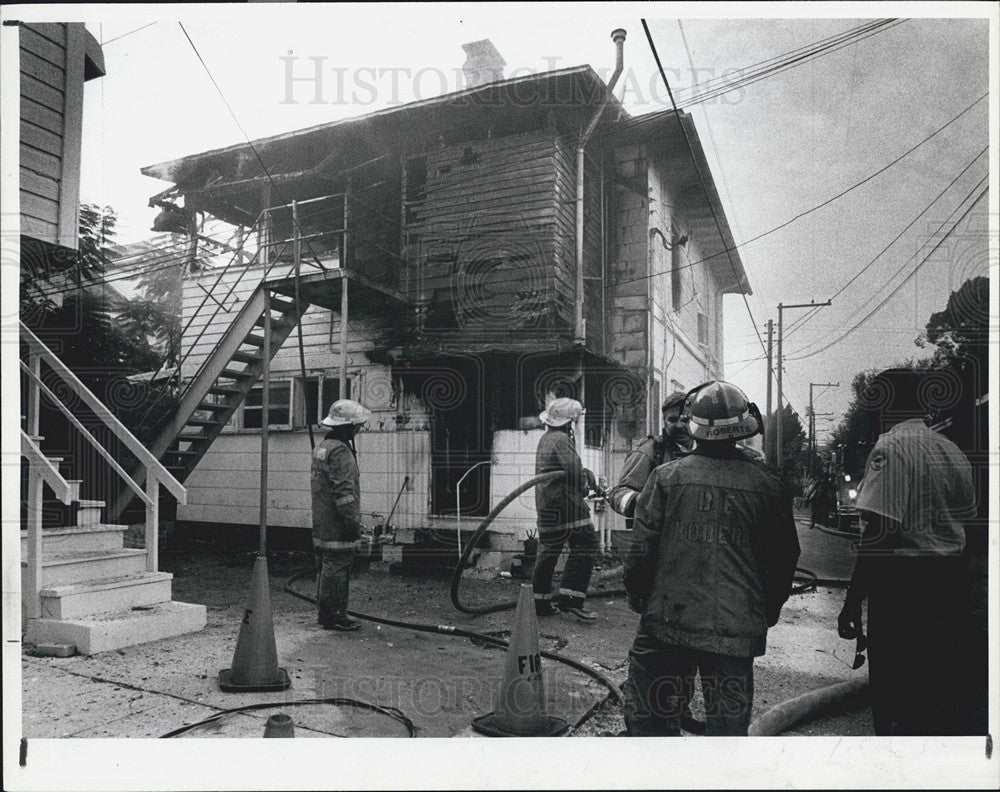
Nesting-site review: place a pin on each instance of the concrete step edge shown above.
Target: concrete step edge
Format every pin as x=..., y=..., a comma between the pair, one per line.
x=105, y=584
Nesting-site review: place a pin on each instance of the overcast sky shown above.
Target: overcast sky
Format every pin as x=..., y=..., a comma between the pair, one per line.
x=776, y=148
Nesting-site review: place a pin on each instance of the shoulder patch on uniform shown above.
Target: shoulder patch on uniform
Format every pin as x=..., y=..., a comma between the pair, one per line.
x=877, y=460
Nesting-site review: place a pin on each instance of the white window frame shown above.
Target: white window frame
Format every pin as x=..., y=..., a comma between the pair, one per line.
x=291, y=382
x=299, y=418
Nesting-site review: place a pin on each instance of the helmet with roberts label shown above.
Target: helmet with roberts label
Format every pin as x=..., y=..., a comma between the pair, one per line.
x=718, y=410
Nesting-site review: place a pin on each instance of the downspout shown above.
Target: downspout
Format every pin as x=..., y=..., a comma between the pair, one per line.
x=618, y=36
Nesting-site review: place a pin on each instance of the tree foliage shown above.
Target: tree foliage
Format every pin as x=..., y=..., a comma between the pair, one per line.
x=960, y=337
x=794, y=452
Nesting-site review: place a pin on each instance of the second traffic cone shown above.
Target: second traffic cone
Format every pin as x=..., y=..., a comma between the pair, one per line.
x=520, y=709
x=255, y=661
x=279, y=725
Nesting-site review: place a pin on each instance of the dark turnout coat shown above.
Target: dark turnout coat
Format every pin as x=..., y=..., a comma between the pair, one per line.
x=336, y=496
x=560, y=504
x=713, y=554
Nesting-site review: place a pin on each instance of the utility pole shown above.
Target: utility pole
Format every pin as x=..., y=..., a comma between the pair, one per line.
x=812, y=417
x=768, y=440
x=781, y=309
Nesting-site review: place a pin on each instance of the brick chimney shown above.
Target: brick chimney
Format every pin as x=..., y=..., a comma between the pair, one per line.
x=483, y=63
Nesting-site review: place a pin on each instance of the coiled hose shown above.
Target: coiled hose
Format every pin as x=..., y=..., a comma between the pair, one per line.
x=805, y=579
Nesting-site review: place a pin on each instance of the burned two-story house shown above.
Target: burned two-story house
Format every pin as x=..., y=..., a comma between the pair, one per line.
x=451, y=263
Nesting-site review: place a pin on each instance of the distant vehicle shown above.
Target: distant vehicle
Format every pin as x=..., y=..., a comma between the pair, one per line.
x=846, y=517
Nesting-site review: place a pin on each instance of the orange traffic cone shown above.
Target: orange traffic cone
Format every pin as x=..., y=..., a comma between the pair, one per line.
x=255, y=661
x=279, y=725
x=520, y=710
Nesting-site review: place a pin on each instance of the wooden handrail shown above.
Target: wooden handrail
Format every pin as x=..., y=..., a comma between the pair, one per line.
x=153, y=466
x=44, y=466
x=90, y=438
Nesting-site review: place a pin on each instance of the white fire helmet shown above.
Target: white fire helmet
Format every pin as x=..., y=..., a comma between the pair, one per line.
x=346, y=411
x=718, y=410
x=560, y=412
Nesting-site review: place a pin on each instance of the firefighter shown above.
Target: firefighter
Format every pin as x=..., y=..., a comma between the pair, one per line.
x=651, y=453
x=563, y=515
x=915, y=496
x=710, y=567
x=336, y=503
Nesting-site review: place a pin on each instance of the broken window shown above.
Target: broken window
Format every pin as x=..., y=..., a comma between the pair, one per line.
x=318, y=393
x=278, y=408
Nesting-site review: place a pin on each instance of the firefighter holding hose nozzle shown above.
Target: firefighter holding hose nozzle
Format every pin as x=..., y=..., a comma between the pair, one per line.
x=563, y=515
x=649, y=455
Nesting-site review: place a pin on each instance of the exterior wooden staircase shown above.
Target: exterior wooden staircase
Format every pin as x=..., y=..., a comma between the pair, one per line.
x=221, y=384
x=81, y=589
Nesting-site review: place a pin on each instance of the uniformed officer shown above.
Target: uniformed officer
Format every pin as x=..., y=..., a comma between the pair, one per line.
x=711, y=564
x=336, y=501
x=563, y=515
x=916, y=491
x=650, y=454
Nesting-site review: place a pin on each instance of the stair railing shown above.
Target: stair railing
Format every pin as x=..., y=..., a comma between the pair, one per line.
x=40, y=470
x=152, y=470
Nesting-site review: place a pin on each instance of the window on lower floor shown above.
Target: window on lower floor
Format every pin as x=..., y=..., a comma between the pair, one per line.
x=318, y=393
x=279, y=406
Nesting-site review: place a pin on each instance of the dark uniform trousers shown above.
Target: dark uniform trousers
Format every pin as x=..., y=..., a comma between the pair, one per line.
x=583, y=544
x=333, y=580
x=660, y=687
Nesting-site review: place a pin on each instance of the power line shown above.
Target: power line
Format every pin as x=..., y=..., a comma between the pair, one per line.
x=701, y=178
x=807, y=54
x=123, y=35
x=907, y=278
x=895, y=239
x=827, y=202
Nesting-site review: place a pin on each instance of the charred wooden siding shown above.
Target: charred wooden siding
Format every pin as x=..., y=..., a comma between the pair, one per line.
x=43, y=100
x=592, y=241
x=55, y=60
x=481, y=225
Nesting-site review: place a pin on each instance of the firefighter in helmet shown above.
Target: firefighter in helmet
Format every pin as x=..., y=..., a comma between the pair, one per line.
x=336, y=517
x=649, y=455
x=710, y=567
x=563, y=515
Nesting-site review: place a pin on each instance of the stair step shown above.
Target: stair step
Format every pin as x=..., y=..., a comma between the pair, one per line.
x=224, y=390
x=253, y=338
x=283, y=321
x=206, y=422
x=61, y=568
x=192, y=438
x=233, y=374
x=246, y=357
x=210, y=406
x=123, y=628
x=78, y=539
x=89, y=513
x=76, y=600
x=184, y=453
x=281, y=304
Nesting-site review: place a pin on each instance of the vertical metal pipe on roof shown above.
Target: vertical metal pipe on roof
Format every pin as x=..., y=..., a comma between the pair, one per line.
x=618, y=36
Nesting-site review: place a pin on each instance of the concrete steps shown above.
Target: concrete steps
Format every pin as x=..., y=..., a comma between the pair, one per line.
x=78, y=567
x=77, y=538
x=79, y=600
x=136, y=625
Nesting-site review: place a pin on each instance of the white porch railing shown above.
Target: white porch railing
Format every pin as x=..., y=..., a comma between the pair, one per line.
x=42, y=470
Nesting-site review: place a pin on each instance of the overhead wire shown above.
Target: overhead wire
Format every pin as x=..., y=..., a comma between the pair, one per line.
x=824, y=203
x=905, y=280
x=798, y=60
x=853, y=279
x=701, y=178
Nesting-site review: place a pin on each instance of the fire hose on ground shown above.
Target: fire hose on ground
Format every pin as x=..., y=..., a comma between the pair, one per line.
x=805, y=580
